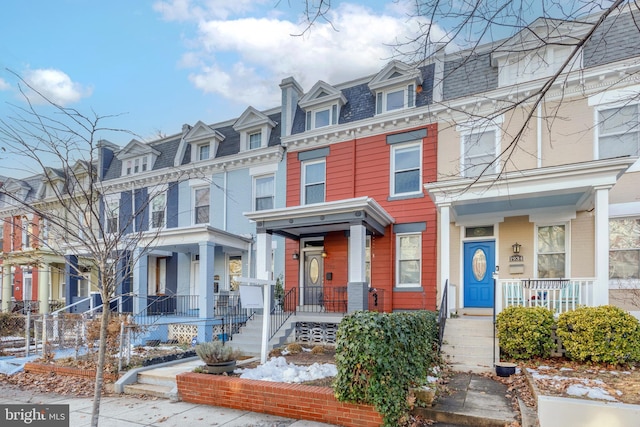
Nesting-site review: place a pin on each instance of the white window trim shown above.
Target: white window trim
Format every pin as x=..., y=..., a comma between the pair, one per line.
x=303, y=181
x=141, y=161
x=310, y=116
x=392, y=174
x=254, y=190
x=596, y=128
x=108, y=199
x=158, y=191
x=466, y=131
x=409, y=94
x=153, y=280
x=567, y=246
x=397, y=261
x=199, y=147
x=193, y=203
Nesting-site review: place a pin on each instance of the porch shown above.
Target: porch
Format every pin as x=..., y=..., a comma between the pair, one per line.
x=558, y=295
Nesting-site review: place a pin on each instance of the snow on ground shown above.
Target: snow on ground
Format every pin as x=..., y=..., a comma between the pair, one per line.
x=580, y=387
x=277, y=369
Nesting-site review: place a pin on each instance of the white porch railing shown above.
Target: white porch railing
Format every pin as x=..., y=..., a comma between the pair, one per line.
x=559, y=295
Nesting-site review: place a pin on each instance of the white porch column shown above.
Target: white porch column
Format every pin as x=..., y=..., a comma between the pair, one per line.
x=140, y=282
x=601, y=288
x=6, y=287
x=44, y=288
x=445, y=249
x=263, y=256
x=206, y=296
x=357, y=291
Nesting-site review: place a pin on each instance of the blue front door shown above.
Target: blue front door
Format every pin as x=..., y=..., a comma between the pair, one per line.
x=479, y=265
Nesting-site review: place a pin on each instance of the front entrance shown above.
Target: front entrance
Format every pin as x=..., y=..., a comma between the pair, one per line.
x=313, y=275
x=479, y=266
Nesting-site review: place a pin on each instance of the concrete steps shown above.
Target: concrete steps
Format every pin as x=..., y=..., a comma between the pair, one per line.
x=469, y=345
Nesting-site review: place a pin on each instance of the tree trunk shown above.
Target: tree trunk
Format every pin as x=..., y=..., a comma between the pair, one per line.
x=97, y=394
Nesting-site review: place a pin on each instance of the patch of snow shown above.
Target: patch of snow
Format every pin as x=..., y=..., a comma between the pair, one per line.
x=590, y=392
x=566, y=369
x=277, y=369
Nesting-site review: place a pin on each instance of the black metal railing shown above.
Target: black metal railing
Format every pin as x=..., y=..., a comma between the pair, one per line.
x=319, y=299
x=24, y=306
x=376, y=300
x=234, y=319
x=442, y=313
x=178, y=305
x=282, y=310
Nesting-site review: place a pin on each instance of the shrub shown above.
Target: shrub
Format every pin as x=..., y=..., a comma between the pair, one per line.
x=525, y=332
x=317, y=349
x=11, y=324
x=215, y=352
x=294, y=348
x=380, y=355
x=600, y=334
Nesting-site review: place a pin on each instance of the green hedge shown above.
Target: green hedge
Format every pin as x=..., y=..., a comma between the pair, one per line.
x=600, y=334
x=380, y=355
x=525, y=332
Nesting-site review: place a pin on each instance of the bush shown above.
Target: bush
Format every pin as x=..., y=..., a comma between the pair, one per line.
x=216, y=351
x=525, y=332
x=380, y=355
x=11, y=325
x=600, y=334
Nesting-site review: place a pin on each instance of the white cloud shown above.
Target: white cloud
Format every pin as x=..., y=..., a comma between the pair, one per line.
x=194, y=10
x=4, y=85
x=245, y=59
x=56, y=86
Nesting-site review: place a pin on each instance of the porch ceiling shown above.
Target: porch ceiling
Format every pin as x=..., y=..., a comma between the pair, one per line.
x=555, y=190
x=299, y=221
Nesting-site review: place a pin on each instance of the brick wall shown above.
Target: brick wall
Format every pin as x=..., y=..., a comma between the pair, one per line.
x=285, y=400
x=38, y=368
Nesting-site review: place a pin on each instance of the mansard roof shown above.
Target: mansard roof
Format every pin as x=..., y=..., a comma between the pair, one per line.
x=252, y=118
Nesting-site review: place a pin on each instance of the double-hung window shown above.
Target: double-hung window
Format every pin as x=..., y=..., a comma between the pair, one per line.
x=112, y=214
x=406, y=169
x=203, y=152
x=396, y=99
x=255, y=140
x=158, y=210
x=479, y=151
x=551, y=249
x=263, y=192
x=624, y=248
x=322, y=117
x=201, y=205
x=408, y=259
x=314, y=182
x=619, y=132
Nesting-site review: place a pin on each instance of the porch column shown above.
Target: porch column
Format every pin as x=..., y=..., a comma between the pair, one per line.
x=140, y=282
x=6, y=287
x=263, y=256
x=43, y=288
x=601, y=288
x=71, y=279
x=445, y=248
x=357, y=288
x=205, y=293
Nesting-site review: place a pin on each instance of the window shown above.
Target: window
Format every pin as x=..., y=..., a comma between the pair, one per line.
x=406, y=166
x=145, y=164
x=234, y=272
x=551, y=251
x=203, y=152
x=157, y=275
x=313, y=182
x=112, y=208
x=255, y=140
x=136, y=166
x=408, y=259
x=618, y=132
x=26, y=234
x=158, y=208
x=83, y=286
x=263, y=192
x=201, y=197
x=479, y=151
x=129, y=166
x=624, y=248
x=395, y=99
x=322, y=117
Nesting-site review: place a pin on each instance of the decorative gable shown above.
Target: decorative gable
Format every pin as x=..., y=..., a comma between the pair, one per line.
x=137, y=157
x=538, y=51
x=322, y=105
x=254, y=128
x=203, y=140
x=18, y=188
x=395, y=87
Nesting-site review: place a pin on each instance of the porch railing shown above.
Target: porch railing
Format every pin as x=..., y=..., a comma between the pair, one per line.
x=282, y=310
x=24, y=306
x=324, y=299
x=177, y=305
x=442, y=312
x=559, y=295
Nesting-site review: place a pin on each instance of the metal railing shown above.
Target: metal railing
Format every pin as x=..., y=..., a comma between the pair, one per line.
x=282, y=310
x=317, y=299
x=178, y=305
x=442, y=313
x=25, y=306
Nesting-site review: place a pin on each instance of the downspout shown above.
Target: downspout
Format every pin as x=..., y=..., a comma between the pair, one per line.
x=224, y=200
x=539, y=134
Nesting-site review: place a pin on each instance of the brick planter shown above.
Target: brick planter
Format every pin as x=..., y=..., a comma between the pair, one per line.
x=39, y=368
x=286, y=400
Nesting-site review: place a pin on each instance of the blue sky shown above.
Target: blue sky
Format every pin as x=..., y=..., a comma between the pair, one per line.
x=158, y=64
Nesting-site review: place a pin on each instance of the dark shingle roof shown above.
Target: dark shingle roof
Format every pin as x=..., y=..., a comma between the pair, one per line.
x=469, y=75
x=617, y=38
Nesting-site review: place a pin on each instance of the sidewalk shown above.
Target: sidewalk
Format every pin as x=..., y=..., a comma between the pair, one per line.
x=130, y=411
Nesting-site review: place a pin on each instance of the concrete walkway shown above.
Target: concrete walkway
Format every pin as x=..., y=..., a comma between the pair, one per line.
x=130, y=411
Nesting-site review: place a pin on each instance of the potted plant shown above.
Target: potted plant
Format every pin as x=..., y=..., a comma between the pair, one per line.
x=218, y=357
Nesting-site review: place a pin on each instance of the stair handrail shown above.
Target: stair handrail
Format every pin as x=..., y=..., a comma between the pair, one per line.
x=279, y=313
x=90, y=299
x=442, y=313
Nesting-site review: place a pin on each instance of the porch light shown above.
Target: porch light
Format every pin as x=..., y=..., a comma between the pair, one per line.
x=324, y=253
x=516, y=247
x=296, y=256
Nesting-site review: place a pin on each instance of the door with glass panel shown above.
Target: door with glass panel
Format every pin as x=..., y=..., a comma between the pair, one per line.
x=479, y=266
x=313, y=274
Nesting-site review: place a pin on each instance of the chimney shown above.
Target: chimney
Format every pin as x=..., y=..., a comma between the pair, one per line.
x=291, y=93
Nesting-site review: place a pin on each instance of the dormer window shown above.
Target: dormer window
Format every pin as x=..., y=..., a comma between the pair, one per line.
x=254, y=128
x=395, y=87
x=137, y=158
x=255, y=140
x=322, y=117
x=322, y=105
x=203, y=151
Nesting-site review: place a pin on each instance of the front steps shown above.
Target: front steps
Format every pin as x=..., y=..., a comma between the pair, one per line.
x=468, y=342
